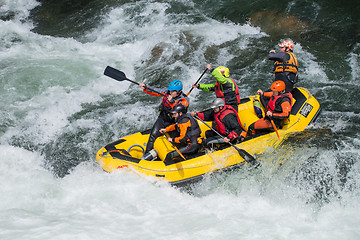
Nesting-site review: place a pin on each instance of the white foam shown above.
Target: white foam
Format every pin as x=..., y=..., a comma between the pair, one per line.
x=21, y=8
x=354, y=62
x=310, y=69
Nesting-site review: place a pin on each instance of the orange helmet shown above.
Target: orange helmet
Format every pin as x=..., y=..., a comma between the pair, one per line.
x=288, y=44
x=278, y=86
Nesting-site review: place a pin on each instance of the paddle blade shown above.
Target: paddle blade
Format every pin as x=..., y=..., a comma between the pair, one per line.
x=115, y=74
x=248, y=157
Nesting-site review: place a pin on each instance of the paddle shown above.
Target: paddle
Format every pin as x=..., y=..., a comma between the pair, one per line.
x=197, y=82
x=244, y=154
x=174, y=147
x=120, y=76
x=273, y=124
x=262, y=100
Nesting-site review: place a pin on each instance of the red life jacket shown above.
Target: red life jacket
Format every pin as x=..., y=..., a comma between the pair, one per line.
x=168, y=106
x=275, y=107
x=220, y=126
x=225, y=91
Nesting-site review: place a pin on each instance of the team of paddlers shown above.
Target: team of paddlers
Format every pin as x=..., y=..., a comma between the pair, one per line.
x=181, y=127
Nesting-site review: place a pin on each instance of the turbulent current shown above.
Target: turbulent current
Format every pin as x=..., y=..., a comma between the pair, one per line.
x=57, y=109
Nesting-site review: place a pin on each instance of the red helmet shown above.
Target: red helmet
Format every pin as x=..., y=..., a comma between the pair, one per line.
x=278, y=86
x=288, y=44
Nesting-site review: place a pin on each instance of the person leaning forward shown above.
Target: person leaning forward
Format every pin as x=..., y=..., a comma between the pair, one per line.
x=285, y=65
x=172, y=96
x=224, y=88
x=187, y=128
x=278, y=108
x=227, y=123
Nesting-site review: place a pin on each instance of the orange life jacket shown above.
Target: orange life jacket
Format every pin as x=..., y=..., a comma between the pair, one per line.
x=289, y=66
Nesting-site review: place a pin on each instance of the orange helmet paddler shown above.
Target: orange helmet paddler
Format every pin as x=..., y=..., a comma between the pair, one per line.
x=278, y=86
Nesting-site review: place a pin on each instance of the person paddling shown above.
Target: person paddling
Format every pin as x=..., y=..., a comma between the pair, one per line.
x=227, y=123
x=172, y=96
x=278, y=108
x=224, y=88
x=188, y=133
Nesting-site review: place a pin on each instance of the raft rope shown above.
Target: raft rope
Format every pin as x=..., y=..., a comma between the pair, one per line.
x=123, y=150
x=137, y=145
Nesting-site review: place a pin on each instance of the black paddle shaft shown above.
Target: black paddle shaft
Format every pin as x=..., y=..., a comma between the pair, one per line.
x=120, y=76
x=196, y=82
x=244, y=154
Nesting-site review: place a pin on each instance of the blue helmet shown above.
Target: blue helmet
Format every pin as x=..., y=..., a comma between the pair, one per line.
x=175, y=85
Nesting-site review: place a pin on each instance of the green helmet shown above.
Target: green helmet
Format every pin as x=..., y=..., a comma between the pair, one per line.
x=223, y=70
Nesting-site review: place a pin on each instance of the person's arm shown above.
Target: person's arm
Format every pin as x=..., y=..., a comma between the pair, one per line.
x=280, y=56
x=233, y=126
x=148, y=91
x=170, y=128
x=268, y=94
x=207, y=115
x=286, y=108
x=207, y=87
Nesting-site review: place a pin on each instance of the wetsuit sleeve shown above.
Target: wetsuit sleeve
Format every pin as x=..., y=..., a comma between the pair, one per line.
x=200, y=115
x=268, y=94
x=183, y=128
x=280, y=56
x=207, y=115
x=286, y=108
x=148, y=91
x=207, y=87
x=170, y=128
x=233, y=128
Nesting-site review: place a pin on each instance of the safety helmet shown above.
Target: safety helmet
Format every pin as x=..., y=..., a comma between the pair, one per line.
x=223, y=70
x=217, y=102
x=175, y=85
x=278, y=86
x=179, y=108
x=288, y=44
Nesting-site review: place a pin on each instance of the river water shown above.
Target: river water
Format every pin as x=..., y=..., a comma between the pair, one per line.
x=57, y=109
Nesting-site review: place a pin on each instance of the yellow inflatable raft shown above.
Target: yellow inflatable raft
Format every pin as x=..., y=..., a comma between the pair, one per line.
x=126, y=152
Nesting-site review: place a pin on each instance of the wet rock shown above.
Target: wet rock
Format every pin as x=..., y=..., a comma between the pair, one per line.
x=66, y=18
x=279, y=24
